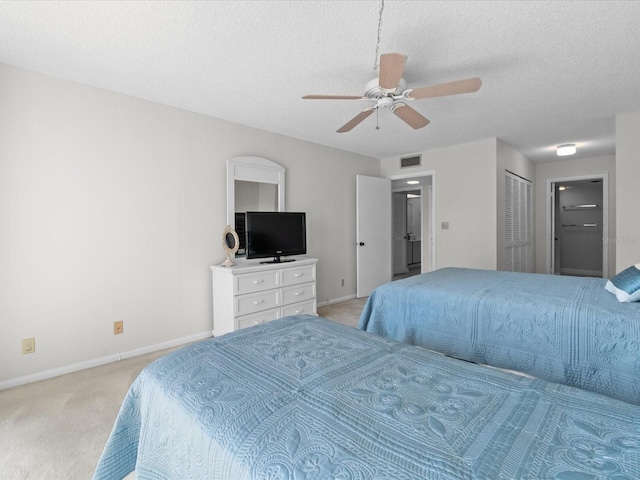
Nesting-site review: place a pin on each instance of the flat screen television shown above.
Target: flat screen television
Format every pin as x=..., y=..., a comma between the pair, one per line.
x=275, y=235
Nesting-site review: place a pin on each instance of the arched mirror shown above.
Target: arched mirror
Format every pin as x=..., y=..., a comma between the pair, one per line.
x=253, y=184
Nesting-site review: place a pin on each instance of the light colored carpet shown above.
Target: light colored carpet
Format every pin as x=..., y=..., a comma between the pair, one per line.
x=347, y=313
x=57, y=428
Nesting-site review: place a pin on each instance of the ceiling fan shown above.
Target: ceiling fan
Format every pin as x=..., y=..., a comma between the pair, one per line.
x=389, y=91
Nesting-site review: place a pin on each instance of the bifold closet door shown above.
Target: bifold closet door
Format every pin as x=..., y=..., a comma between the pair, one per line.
x=518, y=224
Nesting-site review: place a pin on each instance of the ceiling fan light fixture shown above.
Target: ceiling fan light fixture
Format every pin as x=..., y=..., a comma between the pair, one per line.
x=386, y=102
x=389, y=91
x=566, y=149
x=373, y=90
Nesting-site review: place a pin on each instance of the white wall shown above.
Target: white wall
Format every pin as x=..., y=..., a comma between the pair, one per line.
x=112, y=208
x=465, y=189
x=627, y=191
x=509, y=159
x=572, y=168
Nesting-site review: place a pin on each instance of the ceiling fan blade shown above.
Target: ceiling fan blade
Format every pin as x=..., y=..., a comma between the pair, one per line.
x=468, y=85
x=410, y=116
x=391, y=70
x=355, y=120
x=333, y=97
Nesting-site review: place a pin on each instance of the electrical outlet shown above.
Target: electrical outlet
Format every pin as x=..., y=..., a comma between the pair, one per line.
x=445, y=225
x=118, y=327
x=28, y=345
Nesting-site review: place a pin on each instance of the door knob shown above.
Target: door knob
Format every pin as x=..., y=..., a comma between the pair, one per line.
x=361, y=244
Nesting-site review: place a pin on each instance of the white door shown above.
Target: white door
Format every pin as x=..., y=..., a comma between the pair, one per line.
x=373, y=233
x=399, y=236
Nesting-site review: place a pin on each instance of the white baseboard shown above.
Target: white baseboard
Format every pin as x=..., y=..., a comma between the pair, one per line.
x=336, y=300
x=165, y=345
x=56, y=372
x=96, y=362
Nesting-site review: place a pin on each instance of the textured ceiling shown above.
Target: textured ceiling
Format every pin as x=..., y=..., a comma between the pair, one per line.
x=553, y=72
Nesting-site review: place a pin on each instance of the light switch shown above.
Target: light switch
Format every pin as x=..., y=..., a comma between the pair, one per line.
x=445, y=225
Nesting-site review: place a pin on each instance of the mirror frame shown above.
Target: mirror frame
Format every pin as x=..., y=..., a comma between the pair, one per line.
x=252, y=169
x=229, y=231
x=229, y=250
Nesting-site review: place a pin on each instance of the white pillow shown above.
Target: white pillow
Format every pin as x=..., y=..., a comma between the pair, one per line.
x=626, y=285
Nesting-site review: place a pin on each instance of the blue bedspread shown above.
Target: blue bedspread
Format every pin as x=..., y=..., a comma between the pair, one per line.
x=305, y=398
x=562, y=329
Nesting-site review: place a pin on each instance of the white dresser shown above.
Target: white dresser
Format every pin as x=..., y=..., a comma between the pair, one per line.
x=251, y=293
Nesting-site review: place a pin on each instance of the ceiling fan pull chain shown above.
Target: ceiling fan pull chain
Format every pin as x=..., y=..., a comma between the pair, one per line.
x=377, y=117
x=375, y=63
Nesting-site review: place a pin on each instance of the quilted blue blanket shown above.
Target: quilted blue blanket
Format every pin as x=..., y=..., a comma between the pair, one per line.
x=305, y=398
x=563, y=329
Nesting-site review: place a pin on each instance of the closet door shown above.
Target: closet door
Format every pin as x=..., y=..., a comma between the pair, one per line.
x=518, y=236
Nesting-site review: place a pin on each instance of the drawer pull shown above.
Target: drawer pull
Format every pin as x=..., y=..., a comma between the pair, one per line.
x=258, y=322
x=300, y=311
x=297, y=275
x=257, y=282
x=258, y=302
x=297, y=294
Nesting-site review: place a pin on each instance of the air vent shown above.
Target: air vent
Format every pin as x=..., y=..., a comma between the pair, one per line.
x=413, y=161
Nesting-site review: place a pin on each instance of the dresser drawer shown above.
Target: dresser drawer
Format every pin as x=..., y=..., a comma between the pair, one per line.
x=308, y=307
x=251, y=292
x=295, y=275
x=256, y=302
x=298, y=293
x=257, y=318
x=255, y=282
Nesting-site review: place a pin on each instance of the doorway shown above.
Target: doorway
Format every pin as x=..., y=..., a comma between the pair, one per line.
x=374, y=255
x=578, y=211
x=406, y=232
x=412, y=216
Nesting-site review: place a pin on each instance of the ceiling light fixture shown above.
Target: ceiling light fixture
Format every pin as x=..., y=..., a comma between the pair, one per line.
x=566, y=149
x=413, y=182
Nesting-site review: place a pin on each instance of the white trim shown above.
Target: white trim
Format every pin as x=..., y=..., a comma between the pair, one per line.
x=605, y=218
x=96, y=362
x=55, y=372
x=165, y=345
x=253, y=169
x=336, y=300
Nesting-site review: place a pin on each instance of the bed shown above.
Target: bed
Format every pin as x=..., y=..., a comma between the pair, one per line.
x=306, y=398
x=568, y=330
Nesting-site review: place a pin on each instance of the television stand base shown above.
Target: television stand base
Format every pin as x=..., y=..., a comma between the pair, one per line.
x=279, y=260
